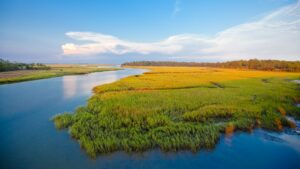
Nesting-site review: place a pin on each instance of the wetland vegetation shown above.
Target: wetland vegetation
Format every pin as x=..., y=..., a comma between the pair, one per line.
x=174, y=108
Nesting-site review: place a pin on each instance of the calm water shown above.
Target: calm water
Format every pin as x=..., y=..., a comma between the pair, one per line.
x=30, y=141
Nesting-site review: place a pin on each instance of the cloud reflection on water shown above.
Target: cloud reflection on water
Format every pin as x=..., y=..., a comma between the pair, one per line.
x=83, y=84
x=69, y=86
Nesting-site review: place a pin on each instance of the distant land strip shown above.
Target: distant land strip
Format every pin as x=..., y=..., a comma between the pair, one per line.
x=254, y=64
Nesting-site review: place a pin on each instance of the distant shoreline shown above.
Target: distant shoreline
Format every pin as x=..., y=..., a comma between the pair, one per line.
x=56, y=70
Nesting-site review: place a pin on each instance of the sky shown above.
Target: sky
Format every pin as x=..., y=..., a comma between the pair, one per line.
x=117, y=31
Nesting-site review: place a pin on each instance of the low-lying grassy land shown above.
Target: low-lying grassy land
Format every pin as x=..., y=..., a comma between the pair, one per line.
x=53, y=71
x=175, y=108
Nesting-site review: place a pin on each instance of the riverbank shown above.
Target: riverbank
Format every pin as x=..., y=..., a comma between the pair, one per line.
x=55, y=70
x=175, y=108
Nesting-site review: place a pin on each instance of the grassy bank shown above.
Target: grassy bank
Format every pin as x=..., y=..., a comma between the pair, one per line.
x=175, y=108
x=53, y=71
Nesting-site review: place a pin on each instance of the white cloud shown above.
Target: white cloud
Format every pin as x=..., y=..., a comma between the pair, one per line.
x=275, y=36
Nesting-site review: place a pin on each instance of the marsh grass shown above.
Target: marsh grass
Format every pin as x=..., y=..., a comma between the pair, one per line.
x=161, y=112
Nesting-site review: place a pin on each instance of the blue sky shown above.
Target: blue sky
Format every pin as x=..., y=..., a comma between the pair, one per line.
x=115, y=31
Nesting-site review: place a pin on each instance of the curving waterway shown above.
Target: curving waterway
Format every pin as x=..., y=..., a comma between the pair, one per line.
x=29, y=140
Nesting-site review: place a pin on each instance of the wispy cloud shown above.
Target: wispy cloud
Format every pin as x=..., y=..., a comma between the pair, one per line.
x=277, y=36
x=176, y=8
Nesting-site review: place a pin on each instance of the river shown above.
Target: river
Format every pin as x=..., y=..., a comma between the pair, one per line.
x=29, y=139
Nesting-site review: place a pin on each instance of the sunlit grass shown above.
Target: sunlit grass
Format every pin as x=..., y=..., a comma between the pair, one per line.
x=184, y=77
x=181, y=108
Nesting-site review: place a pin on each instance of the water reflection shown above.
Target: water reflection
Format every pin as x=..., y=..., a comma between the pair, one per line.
x=292, y=141
x=92, y=80
x=69, y=86
x=74, y=86
x=228, y=139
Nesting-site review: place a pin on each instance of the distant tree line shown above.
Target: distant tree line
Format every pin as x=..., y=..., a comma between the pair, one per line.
x=269, y=65
x=6, y=65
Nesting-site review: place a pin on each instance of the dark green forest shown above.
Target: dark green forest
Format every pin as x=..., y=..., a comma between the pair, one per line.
x=269, y=65
x=6, y=65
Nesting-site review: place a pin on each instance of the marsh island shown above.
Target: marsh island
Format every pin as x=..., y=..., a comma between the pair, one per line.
x=175, y=108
